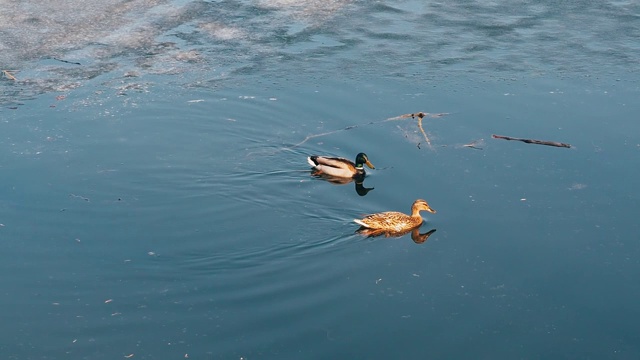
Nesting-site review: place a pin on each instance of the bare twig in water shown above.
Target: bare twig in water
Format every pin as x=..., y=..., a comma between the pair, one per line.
x=323, y=134
x=79, y=197
x=531, y=141
x=472, y=145
x=8, y=74
x=419, y=115
x=67, y=61
x=416, y=115
x=426, y=138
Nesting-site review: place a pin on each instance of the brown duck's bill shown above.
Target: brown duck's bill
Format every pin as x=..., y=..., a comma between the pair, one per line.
x=370, y=165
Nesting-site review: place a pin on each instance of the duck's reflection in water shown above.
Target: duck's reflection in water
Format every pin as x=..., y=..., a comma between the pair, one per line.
x=416, y=236
x=358, y=180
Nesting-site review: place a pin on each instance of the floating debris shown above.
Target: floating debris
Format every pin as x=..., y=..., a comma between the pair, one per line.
x=66, y=61
x=8, y=74
x=531, y=141
x=419, y=115
x=79, y=197
x=475, y=144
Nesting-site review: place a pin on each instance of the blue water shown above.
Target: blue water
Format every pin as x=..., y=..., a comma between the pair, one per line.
x=156, y=202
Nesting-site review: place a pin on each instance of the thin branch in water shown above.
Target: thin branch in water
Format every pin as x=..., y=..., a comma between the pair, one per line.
x=8, y=75
x=472, y=145
x=67, y=61
x=532, y=141
x=309, y=137
x=426, y=138
x=79, y=197
x=419, y=115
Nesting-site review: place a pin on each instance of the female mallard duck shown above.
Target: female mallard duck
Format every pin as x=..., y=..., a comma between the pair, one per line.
x=396, y=221
x=340, y=167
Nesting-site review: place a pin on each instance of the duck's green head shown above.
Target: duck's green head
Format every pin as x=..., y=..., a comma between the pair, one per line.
x=362, y=159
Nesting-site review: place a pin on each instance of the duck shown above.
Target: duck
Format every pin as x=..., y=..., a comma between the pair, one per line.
x=395, y=221
x=340, y=167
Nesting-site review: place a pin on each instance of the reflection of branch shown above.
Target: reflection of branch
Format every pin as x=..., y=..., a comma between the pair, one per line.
x=531, y=141
x=419, y=115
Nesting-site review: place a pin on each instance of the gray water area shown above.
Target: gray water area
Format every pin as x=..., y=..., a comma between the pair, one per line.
x=156, y=202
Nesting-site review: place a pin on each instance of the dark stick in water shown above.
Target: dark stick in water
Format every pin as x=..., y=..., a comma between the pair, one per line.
x=531, y=141
x=67, y=61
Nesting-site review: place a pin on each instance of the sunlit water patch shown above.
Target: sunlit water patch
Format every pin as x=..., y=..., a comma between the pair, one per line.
x=201, y=43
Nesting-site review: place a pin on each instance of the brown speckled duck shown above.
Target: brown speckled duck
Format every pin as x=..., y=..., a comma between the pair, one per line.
x=396, y=221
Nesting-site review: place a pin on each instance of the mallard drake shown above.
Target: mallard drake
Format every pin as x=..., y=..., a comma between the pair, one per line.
x=340, y=167
x=396, y=221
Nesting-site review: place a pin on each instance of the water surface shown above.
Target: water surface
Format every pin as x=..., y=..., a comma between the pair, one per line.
x=157, y=202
